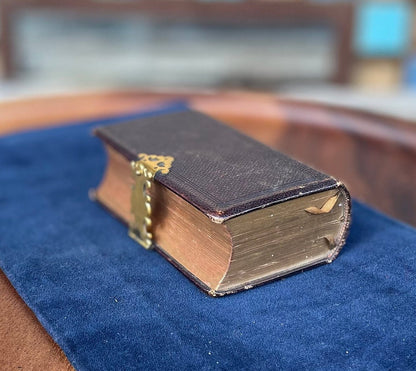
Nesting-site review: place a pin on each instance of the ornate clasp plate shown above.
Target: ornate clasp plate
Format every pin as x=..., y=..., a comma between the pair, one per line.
x=144, y=171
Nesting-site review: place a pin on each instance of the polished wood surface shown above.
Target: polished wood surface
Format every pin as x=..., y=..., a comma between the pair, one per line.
x=24, y=344
x=374, y=155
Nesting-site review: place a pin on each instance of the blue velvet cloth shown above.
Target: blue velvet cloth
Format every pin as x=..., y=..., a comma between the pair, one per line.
x=111, y=305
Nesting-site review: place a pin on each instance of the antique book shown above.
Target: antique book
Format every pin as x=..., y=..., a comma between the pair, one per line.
x=226, y=210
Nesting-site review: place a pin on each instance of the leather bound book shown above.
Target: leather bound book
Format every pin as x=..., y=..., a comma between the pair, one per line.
x=226, y=210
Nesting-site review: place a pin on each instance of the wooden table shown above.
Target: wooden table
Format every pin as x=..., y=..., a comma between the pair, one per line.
x=374, y=155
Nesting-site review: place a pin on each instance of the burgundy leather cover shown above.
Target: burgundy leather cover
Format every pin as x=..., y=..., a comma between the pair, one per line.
x=218, y=170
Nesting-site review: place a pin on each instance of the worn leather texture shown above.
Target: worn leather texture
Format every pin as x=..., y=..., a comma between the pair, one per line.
x=218, y=170
x=111, y=305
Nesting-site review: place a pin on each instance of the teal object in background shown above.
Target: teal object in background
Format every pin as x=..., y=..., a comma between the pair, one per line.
x=410, y=72
x=383, y=29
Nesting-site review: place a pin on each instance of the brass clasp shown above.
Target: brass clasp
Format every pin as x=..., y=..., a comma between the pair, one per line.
x=140, y=228
x=144, y=171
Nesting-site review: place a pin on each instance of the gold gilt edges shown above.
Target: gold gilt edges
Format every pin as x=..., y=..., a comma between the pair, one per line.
x=144, y=171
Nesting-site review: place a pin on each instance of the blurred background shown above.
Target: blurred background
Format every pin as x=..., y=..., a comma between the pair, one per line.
x=352, y=53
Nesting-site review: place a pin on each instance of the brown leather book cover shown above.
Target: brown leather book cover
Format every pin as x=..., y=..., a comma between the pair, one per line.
x=224, y=175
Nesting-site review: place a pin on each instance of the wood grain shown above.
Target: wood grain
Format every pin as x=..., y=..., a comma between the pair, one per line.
x=24, y=344
x=374, y=155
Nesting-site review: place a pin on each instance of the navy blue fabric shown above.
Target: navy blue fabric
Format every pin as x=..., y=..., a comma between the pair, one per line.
x=111, y=305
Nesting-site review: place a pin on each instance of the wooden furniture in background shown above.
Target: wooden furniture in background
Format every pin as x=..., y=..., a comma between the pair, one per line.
x=374, y=155
x=337, y=16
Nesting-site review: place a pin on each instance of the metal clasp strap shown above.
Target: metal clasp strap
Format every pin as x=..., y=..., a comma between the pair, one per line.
x=141, y=208
x=144, y=171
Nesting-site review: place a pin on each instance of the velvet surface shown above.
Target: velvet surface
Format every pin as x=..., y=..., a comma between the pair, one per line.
x=112, y=305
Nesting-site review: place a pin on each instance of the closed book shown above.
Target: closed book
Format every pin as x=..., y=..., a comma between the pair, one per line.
x=226, y=210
